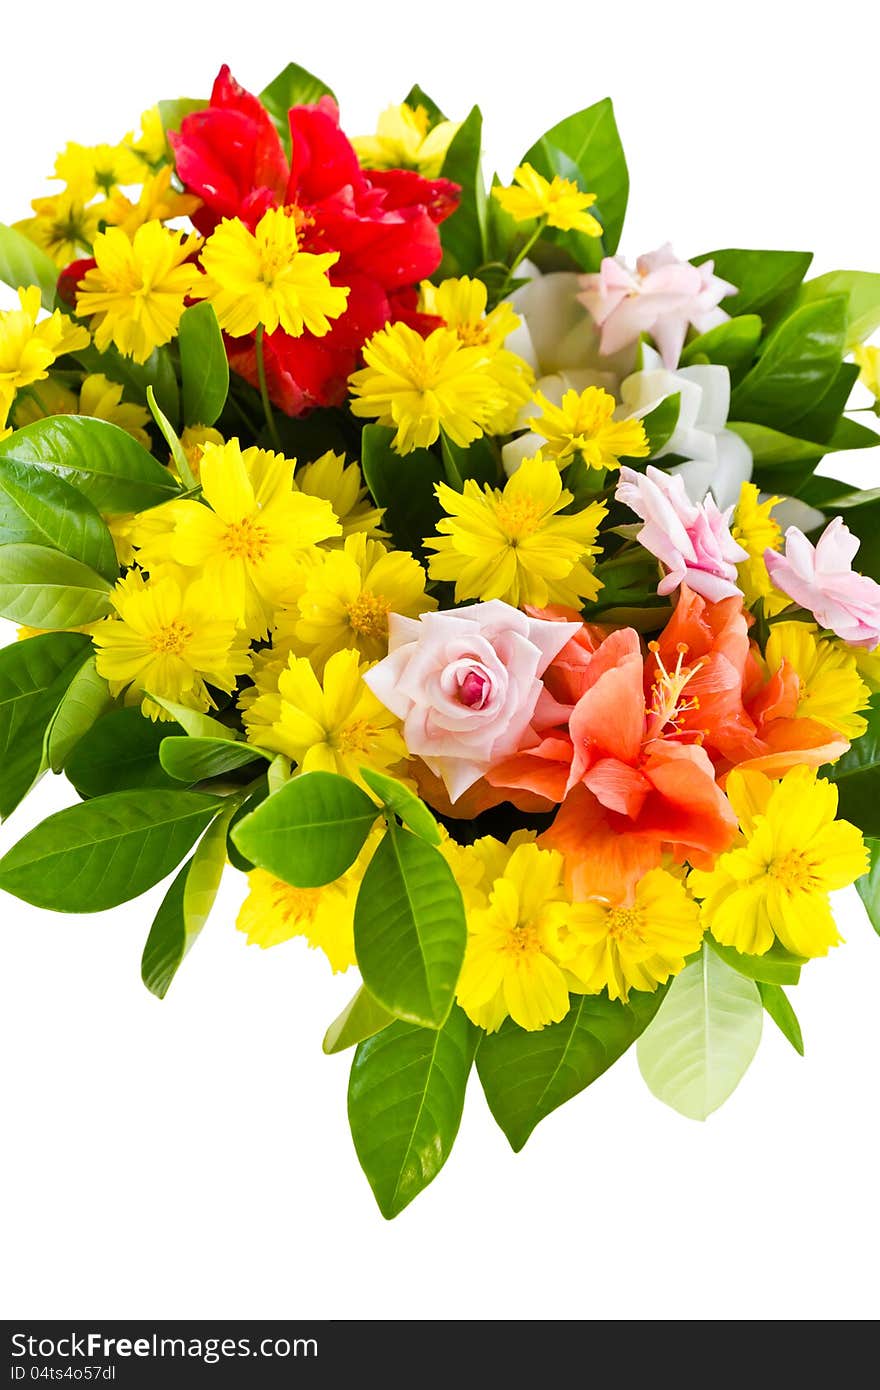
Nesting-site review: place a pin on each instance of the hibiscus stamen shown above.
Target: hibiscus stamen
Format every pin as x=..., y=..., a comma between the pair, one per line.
x=667, y=705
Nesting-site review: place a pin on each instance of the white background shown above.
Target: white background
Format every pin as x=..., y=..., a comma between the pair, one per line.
x=191, y=1157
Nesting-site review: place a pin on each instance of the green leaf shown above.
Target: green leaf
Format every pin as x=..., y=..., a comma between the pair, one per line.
x=776, y=967
x=777, y=1005
x=236, y=858
x=404, y=804
x=660, y=423
x=203, y=365
x=762, y=278
x=33, y=677
x=862, y=291
x=361, y=1018
x=134, y=377
x=45, y=589
x=197, y=759
x=83, y=702
x=174, y=112
x=404, y=485
x=110, y=468
x=464, y=234
x=732, y=344
x=104, y=852
x=868, y=886
x=526, y=1076
x=169, y=434
x=799, y=361
x=185, y=909
x=857, y=775
x=480, y=461
x=120, y=751
x=700, y=1045
x=310, y=832
x=23, y=264
x=820, y=421
x=590, y=139
x=784, y=462
x=279, y=773
x=405, y=1099
x=416, y=97
x=38, y=508
x=293, y=86
x=409, y=929
x=195, y=724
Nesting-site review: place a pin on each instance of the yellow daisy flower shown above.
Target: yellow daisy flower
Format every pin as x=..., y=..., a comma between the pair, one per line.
x=262, y=277
x=28, y=348
x=157, y=201
x=584, y=425
x=515, y=545
x=62, y=226
x=403, y=141
x=152, y=144
x=341, y=484
x=775, y=883
x=461, y=303
x=632, y=945
x=558, y=200
x=135, y=294
x=91, y=169
x=831, y=690
x=168, y=641
x=756, y=531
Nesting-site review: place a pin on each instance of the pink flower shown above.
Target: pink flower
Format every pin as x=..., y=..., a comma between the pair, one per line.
x=692, y=540
x=465, y=682
x=820, y=578
x=661, y=297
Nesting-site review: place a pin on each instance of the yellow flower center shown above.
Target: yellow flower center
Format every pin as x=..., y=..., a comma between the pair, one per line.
x=356, y=737
x=295, y=904
x=518, y=516
x=474, y=334
x=522, y=937
x=794, y=871
x=626, y=923
x=368, y=615
x=172, y=638
x=245, y=540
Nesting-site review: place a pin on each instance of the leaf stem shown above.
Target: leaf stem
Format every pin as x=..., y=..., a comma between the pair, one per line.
x=264, y=390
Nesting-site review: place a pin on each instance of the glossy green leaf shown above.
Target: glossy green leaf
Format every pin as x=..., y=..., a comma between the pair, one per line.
x=186, y=908
x=732, y=344
x=203, y=365
x=762, y=278
x=174, y=112
x=777, y=1005
x=294, y=86
x=119, y=752
x=110, y=468
x=868, y=886
x=660, y=423
x=857, y=775
x=776, y=967
x=196, y=724
x=310, y=831
x=82, y=704
x=706, y=1032
x=404, y=485
x=463, y=235
x=822, y=418
x=33, y=677
x=590, y=139
x=43, y=588
x=862, y=291
x=361, y=1018
x=104, y=852
x=409, y=929
x=527, y=1075
x=404, y=804
x=799, y=361
x=196, y=759
x=23, y=264
x=480, y=461
x=417, y=97
x=234, y=854
x=38, y=508
x=785, y=463
x=405, y=1099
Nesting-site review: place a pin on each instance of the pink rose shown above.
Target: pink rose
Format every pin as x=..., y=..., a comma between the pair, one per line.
x=692, y=540
x=662, y=296
x=820, y=578
x=466, y=681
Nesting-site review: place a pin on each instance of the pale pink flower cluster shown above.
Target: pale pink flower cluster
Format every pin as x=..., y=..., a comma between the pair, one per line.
x=820, y=578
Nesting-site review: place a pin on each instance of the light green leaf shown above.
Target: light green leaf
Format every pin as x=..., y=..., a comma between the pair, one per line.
x=110, y=468
x=868, y=886
x=169, y=434
x=857, y=774
x=404, y=804
x=409, y=929
x=526, y=1076
x=404, y=485
x=862, y=290
x=310, y=832
x=294, y=86
x=799, y=361
x=33, y=677
x=104, y=852
x=417, y=97
x=776, y=967
x=405, y=1099
x=776, y=1004
x=732, y=344
x=660, y=423
x=38, y=508
x=203, y=365
x=699, y=1047
x=119, y=752
x=196, y=759
x=463, y=235
x=361, y=1018
x=590, y=139
x=84, y=701
x=23, y=264
x=43, y=588
x=195, y=724
x=174, y=112
x=279, y=773
x=763, y=278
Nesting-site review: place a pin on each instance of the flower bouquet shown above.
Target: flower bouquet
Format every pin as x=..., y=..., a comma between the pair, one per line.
x=469, y=589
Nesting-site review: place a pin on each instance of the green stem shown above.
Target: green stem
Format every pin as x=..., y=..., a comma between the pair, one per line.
x=264, y=390
x=522, y=253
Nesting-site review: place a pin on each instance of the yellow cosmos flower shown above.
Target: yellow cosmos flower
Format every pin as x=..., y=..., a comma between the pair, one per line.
x=136, y=291
x=514, y=545
x=91, y=169
x=632, y=945
x=157, y=201
x=558, y=200
x=101, y=399
x=868, y=360
x=348, y=597
x=342, y=485
x=28, y=348
x=461, y=303
x=248, y=542
x=168, y=641
x=831, y=690
x=333, y=725
x=62, y=226
x=756, y=531
x=193, y=441
x=403, y=141
x=793, y=853
x=511, y=965
x=584, y=425
x=262, y=277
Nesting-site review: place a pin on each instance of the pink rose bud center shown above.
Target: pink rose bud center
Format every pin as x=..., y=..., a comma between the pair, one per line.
x=474, y=689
